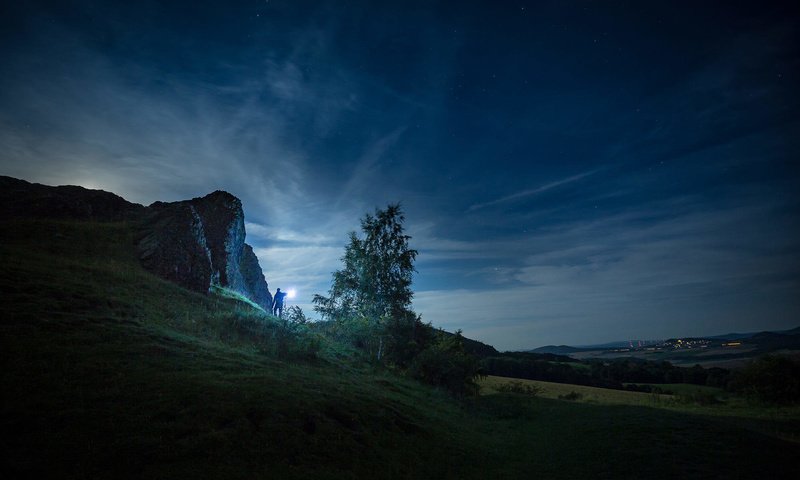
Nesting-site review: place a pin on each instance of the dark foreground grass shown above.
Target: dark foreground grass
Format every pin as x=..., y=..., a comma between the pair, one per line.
x=109, y=372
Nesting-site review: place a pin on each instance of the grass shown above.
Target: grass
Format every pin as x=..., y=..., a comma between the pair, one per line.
x=779, y=422
x=110, y=372
x=602, y=396
x=228, y=293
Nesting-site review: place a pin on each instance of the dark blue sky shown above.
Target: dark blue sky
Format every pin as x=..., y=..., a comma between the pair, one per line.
x=572, y=172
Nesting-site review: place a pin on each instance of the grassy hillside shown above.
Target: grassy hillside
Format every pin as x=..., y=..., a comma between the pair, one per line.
x=110, y=372
x=601, y=396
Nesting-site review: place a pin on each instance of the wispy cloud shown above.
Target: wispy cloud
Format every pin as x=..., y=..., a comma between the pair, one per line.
x=112, y=127
x=535, y=191
x=278, y=234
x=364, y=174
x=657, y=270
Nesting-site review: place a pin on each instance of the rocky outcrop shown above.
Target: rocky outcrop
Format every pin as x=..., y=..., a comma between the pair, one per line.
x=254, y=281
x=197, y=243
x=172, y=244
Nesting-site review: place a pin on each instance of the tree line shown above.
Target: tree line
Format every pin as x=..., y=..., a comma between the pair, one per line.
x=768, y=379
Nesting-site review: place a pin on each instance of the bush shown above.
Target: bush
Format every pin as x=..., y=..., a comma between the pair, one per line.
x=406, y=337
x=521, y=388
x=699, y=398
x=648, y=389
x=295, y=315
x=286, y=338
x=770, y=379
x=445, y=364
x=573, y=395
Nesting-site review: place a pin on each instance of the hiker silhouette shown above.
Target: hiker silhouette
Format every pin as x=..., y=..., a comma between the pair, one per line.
x=277, y=303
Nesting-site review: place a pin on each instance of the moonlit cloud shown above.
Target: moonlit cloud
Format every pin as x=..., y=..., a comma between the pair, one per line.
x=675, y=274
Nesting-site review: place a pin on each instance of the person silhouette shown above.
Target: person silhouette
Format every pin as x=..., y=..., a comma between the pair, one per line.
x=277, y=303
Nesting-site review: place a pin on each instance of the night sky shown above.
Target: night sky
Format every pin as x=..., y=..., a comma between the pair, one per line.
x=572, y=172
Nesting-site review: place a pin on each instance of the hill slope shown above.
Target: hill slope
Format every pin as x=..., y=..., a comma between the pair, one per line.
x=197, y=243
x=111, y=372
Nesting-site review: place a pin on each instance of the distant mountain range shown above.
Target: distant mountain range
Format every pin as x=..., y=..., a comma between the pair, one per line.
x=777, y=338
x=741, y=336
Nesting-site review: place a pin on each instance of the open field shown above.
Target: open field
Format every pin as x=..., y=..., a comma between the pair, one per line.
x=780, y=422
x=110, y=372
x=602, y=396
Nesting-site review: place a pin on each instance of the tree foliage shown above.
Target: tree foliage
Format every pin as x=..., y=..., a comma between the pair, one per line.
x=770, y=379
x=370, y=297
x=446, y=364
x=376, y=277
x=369, y=304
x=295, y=315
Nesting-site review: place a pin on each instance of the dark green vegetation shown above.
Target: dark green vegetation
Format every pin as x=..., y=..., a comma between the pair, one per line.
x=111, y=372
x=768, y=379
x=608, y=374
x=771, y=378
x=369, y=307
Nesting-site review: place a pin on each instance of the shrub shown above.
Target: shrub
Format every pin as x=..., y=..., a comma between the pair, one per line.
x=573, y=395
x=445, y=364
x=648, y=389
x=770, y=379
x=698, y=398
x=295, y=315
x=521, y=388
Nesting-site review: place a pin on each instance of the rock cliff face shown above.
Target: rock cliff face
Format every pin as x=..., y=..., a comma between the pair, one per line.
x=254, y=278
x=172, y=244
x=197, y=243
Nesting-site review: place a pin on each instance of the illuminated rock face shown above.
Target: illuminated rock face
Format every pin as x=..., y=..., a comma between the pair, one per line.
x=254, y=280
x=199, y=243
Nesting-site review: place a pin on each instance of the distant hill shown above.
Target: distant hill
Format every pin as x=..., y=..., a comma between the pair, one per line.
x=772, y=340
x=619, y=344
x=742, y=336
x=474, y=347
x=479, y=349
x=556, y=349
x=732, y=336
x=794, y=331
x=567, y=349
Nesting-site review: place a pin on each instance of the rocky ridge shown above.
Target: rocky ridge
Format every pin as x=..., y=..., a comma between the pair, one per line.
x=198, y=243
